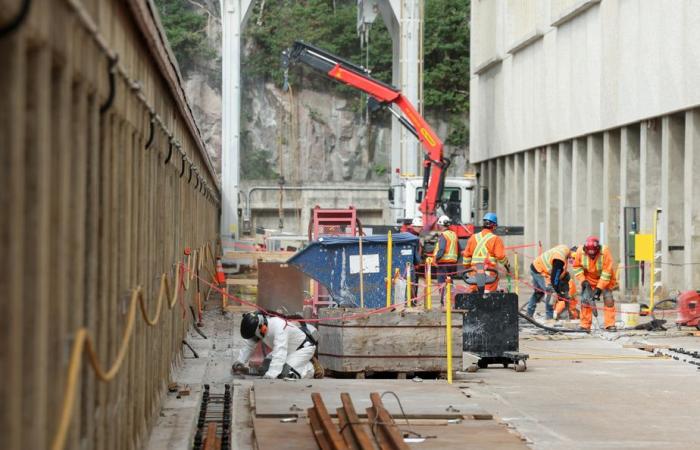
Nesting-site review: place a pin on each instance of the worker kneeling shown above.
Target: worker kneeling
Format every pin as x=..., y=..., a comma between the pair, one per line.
x=293, y=345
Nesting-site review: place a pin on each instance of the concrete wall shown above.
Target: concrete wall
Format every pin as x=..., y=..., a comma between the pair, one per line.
x=544, y=71
x=370, y=200
x=589, y=107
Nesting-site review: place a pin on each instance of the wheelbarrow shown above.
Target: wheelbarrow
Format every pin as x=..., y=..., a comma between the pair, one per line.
x=490, y=323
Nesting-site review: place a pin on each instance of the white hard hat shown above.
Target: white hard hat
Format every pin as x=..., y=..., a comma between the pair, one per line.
x=417, y=221
x=444, y=221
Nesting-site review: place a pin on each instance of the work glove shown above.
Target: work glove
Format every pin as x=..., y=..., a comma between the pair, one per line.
x=596, y=294
x=239, y=367
x=507, y=267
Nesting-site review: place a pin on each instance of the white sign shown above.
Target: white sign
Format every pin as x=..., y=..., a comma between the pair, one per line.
x=370, y=263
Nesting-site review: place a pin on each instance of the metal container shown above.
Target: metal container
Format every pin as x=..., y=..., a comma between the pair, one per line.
x=334, y=261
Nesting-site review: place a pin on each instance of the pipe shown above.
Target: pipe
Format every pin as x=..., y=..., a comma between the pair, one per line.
x=305, y=188
x=545, y=327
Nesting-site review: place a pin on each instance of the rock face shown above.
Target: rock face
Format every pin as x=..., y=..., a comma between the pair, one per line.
x=303, y=135
x=313, y=136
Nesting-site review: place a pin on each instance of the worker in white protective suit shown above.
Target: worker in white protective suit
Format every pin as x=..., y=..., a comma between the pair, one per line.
x=293, y=345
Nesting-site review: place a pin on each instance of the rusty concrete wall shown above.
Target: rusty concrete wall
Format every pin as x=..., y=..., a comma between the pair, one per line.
x=104, y=181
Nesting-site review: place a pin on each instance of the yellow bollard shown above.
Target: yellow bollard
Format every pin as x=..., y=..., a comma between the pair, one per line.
x=428, y=283
x=409, y=286
x=388, y=270
x=362, y=275
x=448, y=327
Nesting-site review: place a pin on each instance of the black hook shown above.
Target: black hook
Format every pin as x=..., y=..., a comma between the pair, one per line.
x=13, y=24
x=182, y=171
x=151, y=133
x=170, y=151
x=112, y=84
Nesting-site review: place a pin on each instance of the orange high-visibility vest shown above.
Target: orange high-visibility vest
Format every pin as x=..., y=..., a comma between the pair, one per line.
x=599, y=272
x=484, y=247
x=451, y=252
x=543, y=263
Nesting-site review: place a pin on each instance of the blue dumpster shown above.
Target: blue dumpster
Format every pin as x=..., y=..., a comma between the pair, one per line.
x=334, y=262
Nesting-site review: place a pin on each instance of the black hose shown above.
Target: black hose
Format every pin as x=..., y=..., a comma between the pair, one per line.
x=186, y=344
x=545, y=327
x=194, y=324
x=15, y=23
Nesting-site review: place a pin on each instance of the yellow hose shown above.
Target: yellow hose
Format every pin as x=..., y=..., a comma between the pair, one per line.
x=84, y=342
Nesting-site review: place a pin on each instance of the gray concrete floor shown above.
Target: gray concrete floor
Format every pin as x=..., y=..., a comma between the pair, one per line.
x=594, y=394
x=580, y=392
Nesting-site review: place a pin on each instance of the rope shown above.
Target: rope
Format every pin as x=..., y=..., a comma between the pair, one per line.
x=84, y=342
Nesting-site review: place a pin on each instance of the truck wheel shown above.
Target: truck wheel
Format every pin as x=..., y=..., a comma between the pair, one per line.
x=520, y=366
x=472, y=368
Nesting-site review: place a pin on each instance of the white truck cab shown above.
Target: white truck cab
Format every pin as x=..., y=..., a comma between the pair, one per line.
x=458, y=199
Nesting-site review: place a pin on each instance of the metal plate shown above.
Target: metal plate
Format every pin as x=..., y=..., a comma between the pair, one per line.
x=490, y=323
x=427, y=399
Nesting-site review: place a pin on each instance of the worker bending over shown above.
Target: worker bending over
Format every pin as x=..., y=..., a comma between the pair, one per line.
x=593, y=269
x=293, y=345
x=487, y=248
x=445, y=254
x=548, y=271
x=567, y=302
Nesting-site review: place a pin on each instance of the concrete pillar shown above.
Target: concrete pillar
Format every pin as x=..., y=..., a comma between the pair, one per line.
x=650, y=172
x=579, y=213
x=629, y=190
x=501, y=189
x=518, y=199
x=234, y=14
x=594, y=185
x=671, y=224
x=564, y=179
x=552, y=190
x=611, y=191
x=403, y=21
x=510, y=190
x=493, y=186
x=540, y=193
x=529, y=193
x=691, y=209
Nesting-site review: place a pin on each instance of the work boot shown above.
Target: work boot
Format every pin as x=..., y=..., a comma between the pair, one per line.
x=585, y=330
x=611, y=328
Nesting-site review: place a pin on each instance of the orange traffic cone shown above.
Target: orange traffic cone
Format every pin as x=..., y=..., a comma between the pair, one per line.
x=220, y=275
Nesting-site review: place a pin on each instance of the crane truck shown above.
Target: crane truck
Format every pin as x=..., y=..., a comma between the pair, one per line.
x=428, y=191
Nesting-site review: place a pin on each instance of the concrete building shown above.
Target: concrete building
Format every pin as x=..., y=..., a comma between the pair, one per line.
x=586, y=112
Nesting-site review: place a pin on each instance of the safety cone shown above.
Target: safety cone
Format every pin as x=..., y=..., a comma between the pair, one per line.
x=220, y=275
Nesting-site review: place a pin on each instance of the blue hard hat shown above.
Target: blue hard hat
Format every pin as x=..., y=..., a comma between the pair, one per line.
x=491, y=217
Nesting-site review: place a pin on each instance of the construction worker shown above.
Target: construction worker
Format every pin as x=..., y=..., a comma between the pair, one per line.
x=593, y=269
x=486, y=248
x=446, y=253
x=293, y=345
x=547, y=271
x=567, y=299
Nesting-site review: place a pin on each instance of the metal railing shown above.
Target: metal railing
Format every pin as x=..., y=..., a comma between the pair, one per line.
x=104, y=181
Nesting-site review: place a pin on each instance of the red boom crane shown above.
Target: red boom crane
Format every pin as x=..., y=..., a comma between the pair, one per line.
x=434, y=164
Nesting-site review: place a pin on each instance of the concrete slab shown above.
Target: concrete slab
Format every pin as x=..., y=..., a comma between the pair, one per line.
x=593, y=394
x=175, y=427
x=425, y=399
